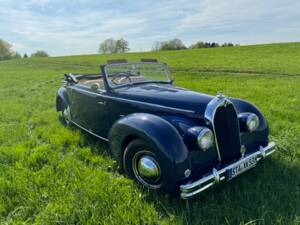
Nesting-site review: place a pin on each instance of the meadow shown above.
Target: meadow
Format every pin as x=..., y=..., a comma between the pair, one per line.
x=51, y=174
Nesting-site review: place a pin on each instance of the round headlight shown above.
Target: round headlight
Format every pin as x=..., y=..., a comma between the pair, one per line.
x=205, y=139
x=252, y=122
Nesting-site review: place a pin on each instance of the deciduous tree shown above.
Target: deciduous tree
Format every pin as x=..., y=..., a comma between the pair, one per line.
x=108, y=46
x=174, y=44
x=5, y=50
x=40, y=53
x=122, y=45
x=111, y=45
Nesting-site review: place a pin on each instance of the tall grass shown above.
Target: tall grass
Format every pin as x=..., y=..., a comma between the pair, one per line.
x=50, y=174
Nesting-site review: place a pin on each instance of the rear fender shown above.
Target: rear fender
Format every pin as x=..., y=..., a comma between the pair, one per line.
x=62, y=99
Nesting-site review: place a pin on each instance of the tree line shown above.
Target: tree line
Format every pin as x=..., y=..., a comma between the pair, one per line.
x=111, y=45
x=6, y=52
x=177, y=44
x=120, y=46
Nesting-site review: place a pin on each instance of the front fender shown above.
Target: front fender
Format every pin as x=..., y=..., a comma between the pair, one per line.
x=162, y=137
x=262, y=133
x=244, y=106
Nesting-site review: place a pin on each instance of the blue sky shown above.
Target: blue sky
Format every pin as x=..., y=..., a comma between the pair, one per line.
x=77, y=27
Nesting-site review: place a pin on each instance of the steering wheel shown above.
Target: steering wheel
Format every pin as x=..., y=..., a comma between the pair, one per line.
x=119, y=77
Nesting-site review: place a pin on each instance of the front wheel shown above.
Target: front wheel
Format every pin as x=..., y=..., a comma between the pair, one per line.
x=66, y=114
x=141, y=164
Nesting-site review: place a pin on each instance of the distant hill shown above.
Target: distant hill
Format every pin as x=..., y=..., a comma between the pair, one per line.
x=281, y=58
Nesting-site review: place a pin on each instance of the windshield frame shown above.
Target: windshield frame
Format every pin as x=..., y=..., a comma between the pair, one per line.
x=168, y=74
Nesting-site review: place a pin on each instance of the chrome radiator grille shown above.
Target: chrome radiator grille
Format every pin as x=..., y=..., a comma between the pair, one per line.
x=226, y=128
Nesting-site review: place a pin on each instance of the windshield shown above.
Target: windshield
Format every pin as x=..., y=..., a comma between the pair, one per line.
x=123, y=74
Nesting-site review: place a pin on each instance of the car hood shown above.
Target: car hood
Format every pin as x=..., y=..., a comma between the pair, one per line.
x=167, y=95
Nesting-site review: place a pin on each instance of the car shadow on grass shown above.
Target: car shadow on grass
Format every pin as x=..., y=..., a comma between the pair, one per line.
x=267, y=194
x=97, y=145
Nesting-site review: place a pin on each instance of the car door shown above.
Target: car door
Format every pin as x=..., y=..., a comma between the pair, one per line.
x=89, y=110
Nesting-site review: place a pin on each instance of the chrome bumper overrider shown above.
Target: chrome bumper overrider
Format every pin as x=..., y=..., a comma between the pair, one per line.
x=190, y=189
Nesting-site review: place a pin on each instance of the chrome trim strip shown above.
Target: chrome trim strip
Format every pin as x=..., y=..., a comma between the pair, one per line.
x=151, y=105
x=209, y=115
x=190, y=189
x=88, y=91
x=102, y=138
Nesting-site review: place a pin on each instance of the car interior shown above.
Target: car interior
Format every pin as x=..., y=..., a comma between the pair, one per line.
x=99, y=83
x=96, y=82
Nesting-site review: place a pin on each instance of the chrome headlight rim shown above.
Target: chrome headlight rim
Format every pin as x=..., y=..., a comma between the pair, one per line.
x=205, y=144
x=252, y=122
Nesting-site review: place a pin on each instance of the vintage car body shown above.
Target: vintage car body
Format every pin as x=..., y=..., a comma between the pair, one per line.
x=164, y=136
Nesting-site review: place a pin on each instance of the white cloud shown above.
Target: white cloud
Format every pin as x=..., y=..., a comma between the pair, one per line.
x=77, y=27
x=234, y=12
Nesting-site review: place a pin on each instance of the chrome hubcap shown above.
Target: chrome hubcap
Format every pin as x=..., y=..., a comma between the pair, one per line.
x=146, y=169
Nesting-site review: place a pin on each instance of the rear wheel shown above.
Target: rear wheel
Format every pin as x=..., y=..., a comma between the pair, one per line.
x=141, y=164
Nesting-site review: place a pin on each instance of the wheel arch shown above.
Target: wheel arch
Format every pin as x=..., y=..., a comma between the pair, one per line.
x=162, y=137
x=62, y=98
x=127, y=140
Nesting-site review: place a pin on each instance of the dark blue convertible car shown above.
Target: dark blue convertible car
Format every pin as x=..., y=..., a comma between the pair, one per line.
x=163, y=136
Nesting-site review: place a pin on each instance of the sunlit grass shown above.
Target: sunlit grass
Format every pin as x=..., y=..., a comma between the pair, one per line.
x=50, y=174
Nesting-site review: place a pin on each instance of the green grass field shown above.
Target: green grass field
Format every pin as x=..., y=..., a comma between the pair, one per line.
x=50, y=174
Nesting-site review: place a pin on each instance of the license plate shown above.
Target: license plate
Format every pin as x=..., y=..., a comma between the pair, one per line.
x=242, y=167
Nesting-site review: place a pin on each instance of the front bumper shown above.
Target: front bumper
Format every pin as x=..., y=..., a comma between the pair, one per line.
x=192, y=188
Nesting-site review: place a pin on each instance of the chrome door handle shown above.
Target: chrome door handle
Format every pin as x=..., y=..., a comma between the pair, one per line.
x=102, y=102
